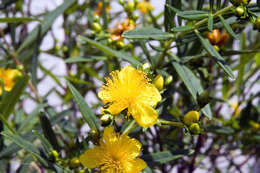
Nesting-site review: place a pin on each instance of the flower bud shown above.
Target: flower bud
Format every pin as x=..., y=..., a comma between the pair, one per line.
x=214, y=37
x=94, y=136
x=146, y=66
x=257, y=24
x=240, y=11
x=74, y=162
x=158, y=82
x=106, y=119
x=254, y=125
x=53, y=155
x=97, y=27
x=122, y=2
x=130, y=6
x=240, y=2
x=216, y=47
x=191, y=117
x=120, y=44
x=194, y=128
x=203, y=99
x=168, y=80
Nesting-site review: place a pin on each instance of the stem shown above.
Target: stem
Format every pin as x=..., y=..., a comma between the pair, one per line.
x=131, y=126
x=171, y=123
x=196, y=26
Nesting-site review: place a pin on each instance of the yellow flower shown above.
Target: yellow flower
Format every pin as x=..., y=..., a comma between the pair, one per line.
x=144, y=6
x=131, y=89
x=115, y=154
x=98, y=12
x=7, y=76
x=236, y=108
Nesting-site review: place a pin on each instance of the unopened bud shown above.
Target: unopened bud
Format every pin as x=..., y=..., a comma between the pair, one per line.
x=158, y=82
x=94, y=136
x=106, y=119
x=240, y=11
x=97, y=27
x=53, y=155
x=257, y=24
x=194, y=128
x=203, y=99
x=74, y=162
x=130, y=6
x=146, y=66
x=120, y=44
x=191, y=117
x=122, y=2
x=168, y=80
x=216, y=47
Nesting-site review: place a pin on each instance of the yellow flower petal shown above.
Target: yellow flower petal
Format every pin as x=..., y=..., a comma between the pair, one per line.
x=150, y=95
x=92, y=158
x=134, y=166
x=109, y=135
x=132, y=145
x=143, y=114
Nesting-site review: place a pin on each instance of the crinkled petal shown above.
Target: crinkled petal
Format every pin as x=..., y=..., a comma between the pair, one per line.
x=131, y=146
x=109, y=135
x=150, y=95
x=134, y=166
x=92, y=158
x=143, y=114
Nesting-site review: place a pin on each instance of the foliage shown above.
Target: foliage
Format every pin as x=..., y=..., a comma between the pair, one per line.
x=203, y=56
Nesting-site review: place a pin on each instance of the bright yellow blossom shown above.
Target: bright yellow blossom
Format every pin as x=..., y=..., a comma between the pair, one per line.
x=98, y=12
x=131, y=89
x=144, y=7
x=7, y=76
x=115, y=154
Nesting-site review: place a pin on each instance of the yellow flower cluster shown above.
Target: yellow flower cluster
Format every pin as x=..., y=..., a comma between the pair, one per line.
x=115, y=154
x=131, y=89
x=144, y=7
x=7, y=76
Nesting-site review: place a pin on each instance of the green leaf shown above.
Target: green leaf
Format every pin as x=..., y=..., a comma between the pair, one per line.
x=17, y=19
x=165, y=156
x=210, y=22
x=191, y=82
x=111, y=52
x=147, y=33
x=48, y=131
x=29, y=147
x=217, y=57
x=228, y=27
x=13, y=148
x=82, y=59
x=85, y=110
x=11, y=98
x=182, y=28
x=46, y=25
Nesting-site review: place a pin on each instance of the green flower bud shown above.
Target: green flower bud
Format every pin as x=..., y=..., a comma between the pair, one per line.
x=146, y=66
x=191, y=117
x=120, y=44
x=122, y=2
x=194, y=128
x=53, y=156
x=168, y=80
x=203, y=99
x=97, y=27
x=240, y=11
x=74, y=162
x=257, y=24
x=240, y=2
x=94, y=136
x=130, y=6
x=106, y=119
x=158, y=82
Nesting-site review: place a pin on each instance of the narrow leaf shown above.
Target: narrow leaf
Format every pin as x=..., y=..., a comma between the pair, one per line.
x=228, y=27
x=17, y=19
x=110, y=51
x=147, y=33
x=217, y=57
x=210, y=22
x=85, y=110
